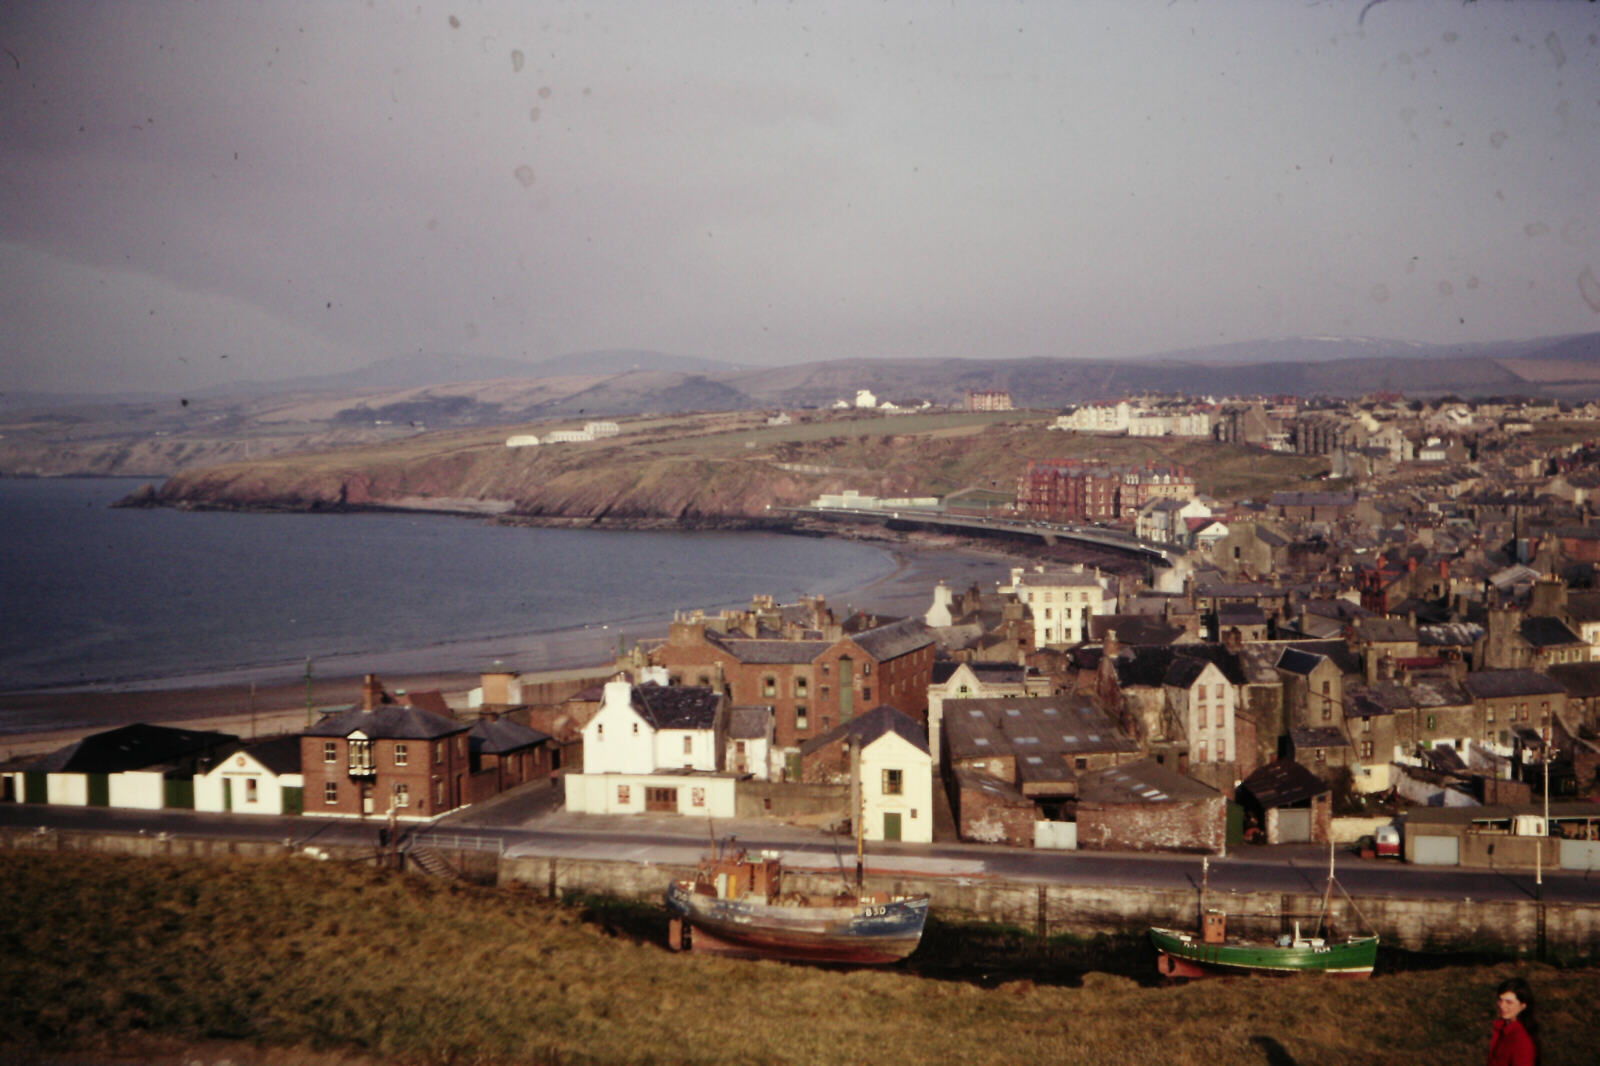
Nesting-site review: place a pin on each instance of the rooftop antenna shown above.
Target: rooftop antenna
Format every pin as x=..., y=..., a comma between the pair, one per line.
x=309, y=701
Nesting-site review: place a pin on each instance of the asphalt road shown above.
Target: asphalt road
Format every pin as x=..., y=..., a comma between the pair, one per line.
x=527, y=822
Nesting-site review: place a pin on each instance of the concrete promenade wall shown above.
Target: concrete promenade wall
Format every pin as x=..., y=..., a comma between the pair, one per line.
x=1572, y=930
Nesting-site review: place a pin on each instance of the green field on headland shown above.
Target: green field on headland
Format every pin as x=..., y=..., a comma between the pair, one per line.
x=140, y=960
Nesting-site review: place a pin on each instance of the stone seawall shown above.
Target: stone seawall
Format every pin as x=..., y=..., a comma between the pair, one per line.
x=1572, y=930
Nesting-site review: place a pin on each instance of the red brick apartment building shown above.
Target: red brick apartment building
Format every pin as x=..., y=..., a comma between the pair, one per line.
x=812, y=683
x=1074, y=490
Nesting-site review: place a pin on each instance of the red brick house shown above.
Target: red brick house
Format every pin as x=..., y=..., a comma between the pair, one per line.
x=361, y=761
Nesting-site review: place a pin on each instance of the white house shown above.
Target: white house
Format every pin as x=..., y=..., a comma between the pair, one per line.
x=1204, y=701
x=1061, y=601
x=865, y=398
x=522, y=440
x=263, y=778
x=896, y=772
x=146, y=767
x=750, y=742
x=653, y=748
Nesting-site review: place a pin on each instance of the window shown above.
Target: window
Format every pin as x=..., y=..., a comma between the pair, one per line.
x=1047, y=612
x=1321, y=756
x=800, y=686
x=1222, y=715
x=825, y=668
x=330, y=792
x=623, y=795
x=1222, y=751
x=704, y=681
x=636, y=729
x=688, y=745
x=893, y=784
x=438, y=794
x=1366, y=749
x=1200, y=752
x=250, y=791
x=461, y=744
x=697, y=797
x=866, y=669
x=769, y=686
x=401, y=756
x=1432, y=723
x=402, y=795
x=330, y=751
x=866, y=693
x=1081, y=762
x=438, y=753
x=600, y=730
x=360, y=756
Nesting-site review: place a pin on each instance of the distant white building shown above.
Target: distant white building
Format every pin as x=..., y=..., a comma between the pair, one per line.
x=522, y=440
x=865, y=398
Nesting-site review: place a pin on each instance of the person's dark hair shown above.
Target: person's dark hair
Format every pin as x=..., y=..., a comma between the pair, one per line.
x=1519, y=988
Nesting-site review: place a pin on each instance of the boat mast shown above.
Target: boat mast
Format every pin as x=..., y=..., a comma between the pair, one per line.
x=1327, y=895
x=856, y=806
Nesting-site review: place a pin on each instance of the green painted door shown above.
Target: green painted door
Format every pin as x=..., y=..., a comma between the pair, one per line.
x=227, y=794
x=847, y=695
x=792, y=766
x=99, y=790
x=178, y=793
x=35, y=787
x=891, y=827
x=293, y=799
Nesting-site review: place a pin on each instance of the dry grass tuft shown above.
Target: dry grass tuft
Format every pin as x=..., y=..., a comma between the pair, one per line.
x=103, y=958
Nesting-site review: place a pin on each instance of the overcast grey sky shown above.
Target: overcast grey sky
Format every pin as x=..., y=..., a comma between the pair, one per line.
x=309, y=187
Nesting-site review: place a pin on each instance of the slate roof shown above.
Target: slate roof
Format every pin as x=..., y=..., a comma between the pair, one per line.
x=390, y=721
x=1030, y=725
x=1142, y=783
x=1581, y=680
x=777, y=652
x=880, y=721
x=1387, y=631
x=1283, y=783
x=1584, y=606
x=1347, y=660
x=1546, y=632
x=677, y=706
x=1147, y=665
x=1322, y=736
x=894, y=640
x=986, y=673
x=501, y=736
x=1498, y=684
x=281, y=755
x=1058, y=579
x=1449, y=635
x=1134, y=628
x=1240, y=614
x=131, y=747
x=749, y=723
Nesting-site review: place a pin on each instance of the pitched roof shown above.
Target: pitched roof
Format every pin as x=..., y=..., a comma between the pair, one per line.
x=1543, y=631
x=389, y=721
x=677, y=706
x=1296, y=661
x=1282, y=783
x=281, y=755
x=1029, y=725
x=776, y=652
x=880, y=721
x=1144, y=783
x=1578, y=679
x=894, y=640
x=1147, y=665
x=502, y=735
x=131, y=747
x=1497, y=684
x=749, y=723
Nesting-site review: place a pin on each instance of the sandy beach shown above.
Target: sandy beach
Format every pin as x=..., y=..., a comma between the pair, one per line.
x=264, y=701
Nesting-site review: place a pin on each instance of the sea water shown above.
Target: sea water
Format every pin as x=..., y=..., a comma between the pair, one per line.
x=93, y=594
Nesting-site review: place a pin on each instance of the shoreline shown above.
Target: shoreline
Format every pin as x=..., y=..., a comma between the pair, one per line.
x=37, y=721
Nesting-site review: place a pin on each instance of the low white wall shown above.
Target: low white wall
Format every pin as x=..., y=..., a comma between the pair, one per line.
x=1348, y=830
x=68, y=790
x=138, y=789
x=601, y=794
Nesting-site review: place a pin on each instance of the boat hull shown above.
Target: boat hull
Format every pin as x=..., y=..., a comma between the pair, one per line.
x=862, y=934
x=1180, y=955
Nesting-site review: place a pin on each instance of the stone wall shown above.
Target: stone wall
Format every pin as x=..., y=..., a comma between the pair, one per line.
x=772, y=799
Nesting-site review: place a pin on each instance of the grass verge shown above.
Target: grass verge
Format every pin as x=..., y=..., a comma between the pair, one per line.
x=282, y=958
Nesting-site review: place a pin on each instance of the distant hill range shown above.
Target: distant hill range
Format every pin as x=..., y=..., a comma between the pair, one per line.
x=465, y=390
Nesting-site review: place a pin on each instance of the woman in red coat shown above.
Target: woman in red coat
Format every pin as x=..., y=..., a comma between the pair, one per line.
x=1515, y=1032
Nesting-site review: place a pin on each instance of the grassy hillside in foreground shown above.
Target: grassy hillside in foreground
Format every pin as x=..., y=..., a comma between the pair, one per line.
x=127, y=957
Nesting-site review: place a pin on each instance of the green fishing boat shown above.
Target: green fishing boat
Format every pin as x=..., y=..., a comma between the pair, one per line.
x=1214, y=952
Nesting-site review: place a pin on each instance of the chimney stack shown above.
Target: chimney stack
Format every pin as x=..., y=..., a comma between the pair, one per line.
x=371, y=692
